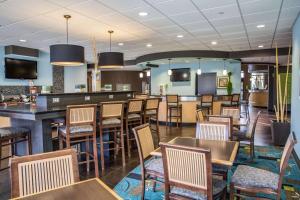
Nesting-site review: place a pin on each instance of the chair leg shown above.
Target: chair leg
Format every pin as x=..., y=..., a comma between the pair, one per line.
x=95, y=151
x=123, y=147
x=60, y=140
x=154, y=186
x=29, y=144
x=0, y=153
x=231, y=191
x=143, y=187
x=102, y=151
x=87, y=153
x=157, y=129
x=128, y=141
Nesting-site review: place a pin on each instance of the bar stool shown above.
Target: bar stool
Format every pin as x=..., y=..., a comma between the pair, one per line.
x=235, y=100
x=151, y=113
x=80, y=127
x=174, y=109
x=134, y=117
x=111, y=122
x=206, y=103
x=245, y=103
x=10, y=136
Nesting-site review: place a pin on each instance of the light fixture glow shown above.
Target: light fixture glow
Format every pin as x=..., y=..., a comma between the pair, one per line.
x=224, y=72
x=214, y=42
x=169, y=70
x=22, y=40
x=143, y=14
x=180, y=36
x=260, y=46
x=260, y=26
x=148, y=73
x=141, y=74
x=120, y=43
x=149, y=45
x=199, y=71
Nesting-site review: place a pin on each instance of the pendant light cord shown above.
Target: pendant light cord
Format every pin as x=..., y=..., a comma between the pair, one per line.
x=67, y=17
x=110, y=32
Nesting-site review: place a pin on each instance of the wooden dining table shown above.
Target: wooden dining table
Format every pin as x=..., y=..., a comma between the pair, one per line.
x=222, y=152
x=85, y=190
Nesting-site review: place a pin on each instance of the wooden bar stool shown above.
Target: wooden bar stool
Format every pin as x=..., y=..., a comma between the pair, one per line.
x=81, y=127
x=111, y=122
x=151, y=113
x=206, y=103
x=174, y=109
x=10, y=136
x=134, y=117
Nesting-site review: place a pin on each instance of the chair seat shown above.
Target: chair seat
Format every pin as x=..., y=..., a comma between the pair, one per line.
x=247, y=176
x=77, y=129
x=111, y=121
x=11, y=132
x=155, y=165
x=218, y=186
x=133, y=116
x=151, y=112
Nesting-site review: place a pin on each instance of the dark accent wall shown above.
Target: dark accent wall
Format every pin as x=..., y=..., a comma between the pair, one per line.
x=122, y=77
x=58, y=79
x=16, y=90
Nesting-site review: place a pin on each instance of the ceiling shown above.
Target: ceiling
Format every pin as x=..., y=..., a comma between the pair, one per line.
x=231, y=23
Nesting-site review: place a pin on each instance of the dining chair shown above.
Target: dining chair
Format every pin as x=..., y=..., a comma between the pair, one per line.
x=248, y=181
x=206, y=103
x=151, y=109
x=42, y=172
x=133, y=117
x=151, y=167
x=248, y=136
x=111, y=118
x=213, y=131
x=81, y=128
x=200, y=116
x=174, y=109
x=235, y=100
x=188, y=173
x=141, y=96
x=222, y=118
x=234, y=112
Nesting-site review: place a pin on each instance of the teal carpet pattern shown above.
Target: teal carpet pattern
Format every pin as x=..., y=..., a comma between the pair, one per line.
x=267, y=157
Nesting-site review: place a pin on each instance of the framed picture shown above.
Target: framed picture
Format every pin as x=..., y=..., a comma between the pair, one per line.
x=222, y=81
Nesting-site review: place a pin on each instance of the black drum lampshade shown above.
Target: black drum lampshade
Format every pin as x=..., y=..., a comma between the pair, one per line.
x=66, y=55
x=111, y=60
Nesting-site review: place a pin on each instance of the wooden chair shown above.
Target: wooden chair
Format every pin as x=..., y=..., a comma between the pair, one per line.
x=221, y=118
x=245, y=104
x=134, y=117
x=233, y=112
x=188, y=173
x=213, y=131
x=235, y=100
x=248, y=181
x=153, y=167
x=141, y=96
x=206, y=103
x=151, y=113
x=111, y=122
x=10, y=136
x=174, y=109
x=200, y=116
x=81, y=127
x=42, y=172
x=248, y=136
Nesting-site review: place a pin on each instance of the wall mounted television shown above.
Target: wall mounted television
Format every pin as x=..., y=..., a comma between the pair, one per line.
x=181, y=74
x=20, y=69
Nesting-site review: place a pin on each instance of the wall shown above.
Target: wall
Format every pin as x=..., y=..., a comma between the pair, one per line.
x=74, y=76
x=295, y=125
x=160, y=76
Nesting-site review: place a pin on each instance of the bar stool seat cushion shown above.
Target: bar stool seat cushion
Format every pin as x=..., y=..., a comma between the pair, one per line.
x=155, y=165
x=133, y=116
x=77, y=129
x=247, y=176
x=151, y=112
x=111, y=121
x=218, y=186
x=13, y=132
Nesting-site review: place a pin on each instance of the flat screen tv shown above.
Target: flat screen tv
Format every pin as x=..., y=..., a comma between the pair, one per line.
x=181, y=74
x=20, y=69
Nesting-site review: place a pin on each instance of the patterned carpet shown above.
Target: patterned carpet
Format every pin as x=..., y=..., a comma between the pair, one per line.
x=266, y=158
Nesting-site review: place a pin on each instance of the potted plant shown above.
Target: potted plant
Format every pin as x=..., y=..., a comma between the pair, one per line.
x=229, y=84
x=280, y=127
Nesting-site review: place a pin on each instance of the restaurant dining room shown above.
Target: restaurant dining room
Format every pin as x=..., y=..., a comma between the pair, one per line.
x=149, y=99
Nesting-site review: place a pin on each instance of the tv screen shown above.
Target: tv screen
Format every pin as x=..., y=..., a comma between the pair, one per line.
x=20, y=69
x=182, y=74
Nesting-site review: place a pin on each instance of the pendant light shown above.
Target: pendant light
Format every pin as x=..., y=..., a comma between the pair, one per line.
x=169, y=70
x=224, y=69
x=67, y=54
x=199, y=71
x=141, y=75
x=110, y=59
x=149, y=73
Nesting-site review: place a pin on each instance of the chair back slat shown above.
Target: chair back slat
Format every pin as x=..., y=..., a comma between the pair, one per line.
x=81, y=114
x=111, y=109
x=213, y=131
x=42, y=172
x=221, y=118
x=135, y=106
x=207, y=98
x=253, y=128
x=187, y=168
x=287, y=151
x=144, y=140
x=200, y=116
x=234, y=112
x=172, y=99
x=152, y=103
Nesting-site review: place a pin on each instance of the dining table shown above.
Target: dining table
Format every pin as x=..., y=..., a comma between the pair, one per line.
x=222, y=152
x=84, y=190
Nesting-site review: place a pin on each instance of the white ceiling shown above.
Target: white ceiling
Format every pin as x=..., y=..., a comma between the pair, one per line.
x=41, y=23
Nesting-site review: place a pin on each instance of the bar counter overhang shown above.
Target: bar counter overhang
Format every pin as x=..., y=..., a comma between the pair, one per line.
x=39, y=117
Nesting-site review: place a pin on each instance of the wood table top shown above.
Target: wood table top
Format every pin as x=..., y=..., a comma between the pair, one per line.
x=85, y=190
x=222, y=152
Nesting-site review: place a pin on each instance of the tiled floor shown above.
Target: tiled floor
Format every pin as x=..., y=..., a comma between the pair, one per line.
x=115, y=172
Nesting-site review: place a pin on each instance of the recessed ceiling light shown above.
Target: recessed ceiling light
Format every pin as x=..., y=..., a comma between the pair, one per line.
x=260, y=26
x=221, y=13
x=120, y=43
x=180, y=36
x=22, y=40
x=149, y=45
x=214, y=42
x=260, y=46
x=143, y=14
